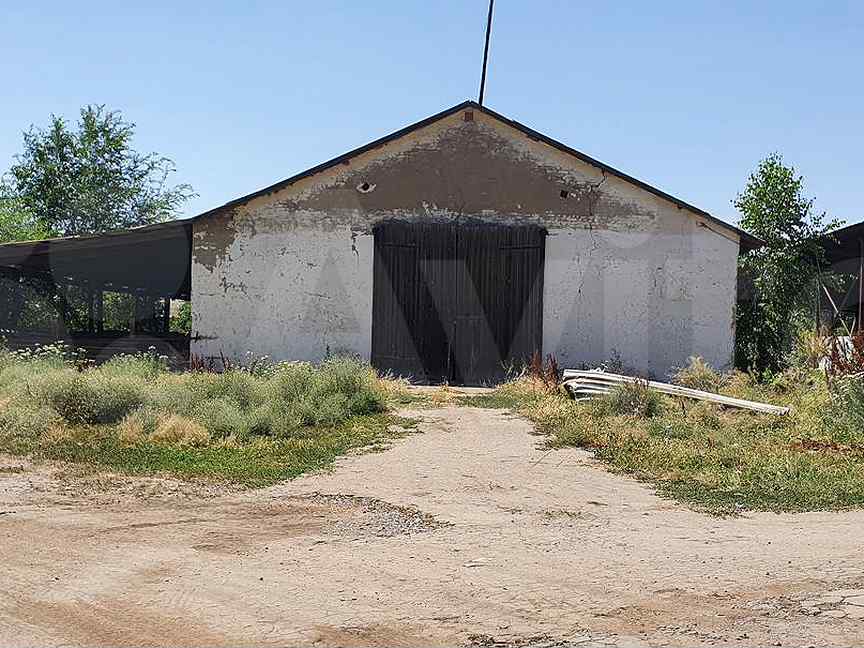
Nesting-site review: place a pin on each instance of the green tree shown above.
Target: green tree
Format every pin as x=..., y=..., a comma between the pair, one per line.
x=90, y=179
x=72, y=181
x=773, y=208
x=17, y=223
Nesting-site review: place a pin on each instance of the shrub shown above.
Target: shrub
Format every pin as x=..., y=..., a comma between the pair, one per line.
x=147, y=403
x=180, y=393
x=239, y=387
x=258, y=365
x=147, y=424
x=222, y=418
x=290, y=381
x=698, y=374
x=279, y=419
x=17, y=367
x=635, y=399
x=841, y=419
x=7, y=358
x=90, y=397
x=340, y=388
x=349, y=383
x=327, y=408
x=23, y=420
x=56, y=355
x=262, y=421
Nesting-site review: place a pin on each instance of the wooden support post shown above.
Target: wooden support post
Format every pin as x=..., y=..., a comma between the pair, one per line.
x=166, y=315
x=860, y=282
x=100, y=311
x=819, y=285
x=65, y=315
x=133, y=324
x=91, y=320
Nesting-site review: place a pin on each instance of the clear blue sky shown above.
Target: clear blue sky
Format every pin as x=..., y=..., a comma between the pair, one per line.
x=687, y=96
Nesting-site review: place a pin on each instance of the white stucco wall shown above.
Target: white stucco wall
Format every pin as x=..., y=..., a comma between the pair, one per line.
x=628, y=273
x=650, y=300
x=298, y=294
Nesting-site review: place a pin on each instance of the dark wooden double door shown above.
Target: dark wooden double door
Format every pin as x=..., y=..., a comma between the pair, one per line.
x=457, y=303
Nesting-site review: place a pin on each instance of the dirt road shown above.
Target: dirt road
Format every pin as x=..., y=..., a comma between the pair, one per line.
x=468, y=533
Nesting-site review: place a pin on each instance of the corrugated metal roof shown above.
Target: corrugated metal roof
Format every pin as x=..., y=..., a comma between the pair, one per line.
x=844, y=243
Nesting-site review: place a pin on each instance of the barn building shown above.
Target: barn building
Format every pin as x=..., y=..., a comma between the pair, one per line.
x=451, y=250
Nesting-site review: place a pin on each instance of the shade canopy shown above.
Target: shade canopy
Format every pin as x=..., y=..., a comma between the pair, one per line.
x=154, y=259
x=844, y=244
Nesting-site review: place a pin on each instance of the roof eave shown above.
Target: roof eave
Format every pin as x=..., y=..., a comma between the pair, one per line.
x=747, y=241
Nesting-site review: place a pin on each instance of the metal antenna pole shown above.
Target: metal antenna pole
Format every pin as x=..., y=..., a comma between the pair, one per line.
x=486, y=52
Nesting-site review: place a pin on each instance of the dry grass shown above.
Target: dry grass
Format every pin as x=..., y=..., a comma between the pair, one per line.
x=719, y=460
x=443, y=396
x=395, y=390
x=174, y=429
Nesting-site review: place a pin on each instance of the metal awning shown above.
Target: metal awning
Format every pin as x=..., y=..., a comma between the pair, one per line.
x=844, y=244
x=154, y=259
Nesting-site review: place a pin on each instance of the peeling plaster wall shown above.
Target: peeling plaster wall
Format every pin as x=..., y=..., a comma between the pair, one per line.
x=289, y=274
x=295, y=295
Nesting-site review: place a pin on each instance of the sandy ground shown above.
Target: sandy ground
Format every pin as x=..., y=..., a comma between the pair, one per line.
x=467, y=533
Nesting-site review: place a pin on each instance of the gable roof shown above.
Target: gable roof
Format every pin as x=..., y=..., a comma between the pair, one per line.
x=748, y=241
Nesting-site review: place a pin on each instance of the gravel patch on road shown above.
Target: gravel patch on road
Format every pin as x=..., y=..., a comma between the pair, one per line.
x=376, y=517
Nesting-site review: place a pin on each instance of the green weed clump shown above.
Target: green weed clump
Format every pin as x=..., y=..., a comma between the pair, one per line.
x=634, y=399
x=134, y=414
x=89, y=397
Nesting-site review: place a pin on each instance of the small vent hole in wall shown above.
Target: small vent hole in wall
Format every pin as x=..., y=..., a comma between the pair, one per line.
x=365, y=187
x=565, y=193
x=469, y=116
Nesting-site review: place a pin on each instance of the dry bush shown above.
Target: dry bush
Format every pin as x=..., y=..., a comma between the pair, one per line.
x=57, y=432
x=698, y=374
x=24, y=419
x=131, y=431
x=545, y=372
x=739, y=384
x=526, y=388
x=811, y=348
x=178, y=430
x=553, y=410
